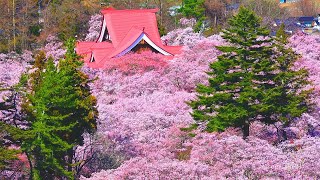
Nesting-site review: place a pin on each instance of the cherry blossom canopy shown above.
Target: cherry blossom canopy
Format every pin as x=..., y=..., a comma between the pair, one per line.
x=121, y=32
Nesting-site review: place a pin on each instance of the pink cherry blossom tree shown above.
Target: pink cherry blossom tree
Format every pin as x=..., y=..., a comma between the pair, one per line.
x=141, y=114
x=54, y=48
x=141, y=102
x=95, y=25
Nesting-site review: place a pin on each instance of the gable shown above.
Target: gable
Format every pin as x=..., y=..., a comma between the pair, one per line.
x=104, y=32
x=145, y=38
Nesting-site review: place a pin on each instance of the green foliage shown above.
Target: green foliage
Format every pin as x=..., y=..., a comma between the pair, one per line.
x=211, y=31
x=39, y=65
x=35, y=30
x=7, y=156
x=192, y=134
x=190, y=128
x=194, y=9
x=253, y=80
x=281, y=34
x=60, y=109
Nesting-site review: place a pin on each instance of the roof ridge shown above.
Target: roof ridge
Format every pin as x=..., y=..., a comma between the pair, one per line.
x=112, y=10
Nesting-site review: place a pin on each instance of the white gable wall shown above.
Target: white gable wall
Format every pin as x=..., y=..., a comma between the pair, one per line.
x=148, y=40
x=103, y=30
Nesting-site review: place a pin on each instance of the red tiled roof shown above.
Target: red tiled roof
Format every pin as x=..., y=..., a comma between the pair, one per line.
x=127, y=41
x=101, y=45
x=84, y=47
x=119, y=22
x=112, y=10
x=124, y=28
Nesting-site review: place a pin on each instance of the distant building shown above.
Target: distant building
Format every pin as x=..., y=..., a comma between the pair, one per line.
x=306, y=21
x=174, y=10
x=307, y=24
x=290, y=24
x=124, y=31
x=288, y=1
x=316, y=26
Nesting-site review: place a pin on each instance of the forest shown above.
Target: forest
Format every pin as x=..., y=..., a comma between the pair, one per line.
x=236, y=103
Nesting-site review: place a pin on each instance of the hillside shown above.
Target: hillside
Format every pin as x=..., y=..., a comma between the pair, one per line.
x=144, y=128
x=142, y=109
x=141, y=113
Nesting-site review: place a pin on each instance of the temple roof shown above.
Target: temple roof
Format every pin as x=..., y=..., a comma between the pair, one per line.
x=120, y=23
x=125, y=28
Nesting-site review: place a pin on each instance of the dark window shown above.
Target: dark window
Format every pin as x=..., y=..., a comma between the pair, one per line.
x=106, y=36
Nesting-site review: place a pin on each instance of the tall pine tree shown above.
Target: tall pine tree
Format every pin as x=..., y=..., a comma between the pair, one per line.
x=60, y=108
x=253, y=80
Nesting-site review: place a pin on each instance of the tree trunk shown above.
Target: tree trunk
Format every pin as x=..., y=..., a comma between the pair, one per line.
x=245, y=130
x=30, y=164
x=14, y=24
x=281, y=133
x=160, y=12
x=284, y=135
x=9, y=31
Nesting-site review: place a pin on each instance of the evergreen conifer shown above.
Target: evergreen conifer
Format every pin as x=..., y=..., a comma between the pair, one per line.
x=253, y=80
x=60, y=108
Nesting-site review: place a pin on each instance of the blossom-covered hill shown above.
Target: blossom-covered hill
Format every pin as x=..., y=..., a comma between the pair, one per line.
x=142, y=109
x=142, y=106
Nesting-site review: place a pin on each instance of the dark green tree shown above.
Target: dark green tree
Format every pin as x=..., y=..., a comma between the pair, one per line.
x=60, y=108
x=253, y=80
x=194, y=9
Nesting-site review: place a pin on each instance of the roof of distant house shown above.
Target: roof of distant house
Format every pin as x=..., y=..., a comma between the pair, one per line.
x=305, y=18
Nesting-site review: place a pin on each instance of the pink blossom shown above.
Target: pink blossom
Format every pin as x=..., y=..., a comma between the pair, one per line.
x=141, y=113
x=95, y=24
x=54, y=48
x=188, y=22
